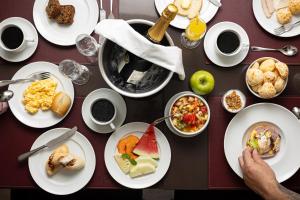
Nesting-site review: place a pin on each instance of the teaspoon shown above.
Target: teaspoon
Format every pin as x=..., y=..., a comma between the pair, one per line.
x=287, y=50
x=296, y=112
x=6, y=95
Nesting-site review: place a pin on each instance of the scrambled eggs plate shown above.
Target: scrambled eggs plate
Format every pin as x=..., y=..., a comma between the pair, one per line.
x=39, y=95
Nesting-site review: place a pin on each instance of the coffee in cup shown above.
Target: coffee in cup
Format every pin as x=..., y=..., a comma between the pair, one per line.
x=103, y=112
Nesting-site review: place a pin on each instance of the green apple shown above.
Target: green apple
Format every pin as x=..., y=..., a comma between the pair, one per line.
x=202, y=82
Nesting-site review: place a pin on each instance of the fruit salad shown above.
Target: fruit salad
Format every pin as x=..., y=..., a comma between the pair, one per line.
x=189, y=114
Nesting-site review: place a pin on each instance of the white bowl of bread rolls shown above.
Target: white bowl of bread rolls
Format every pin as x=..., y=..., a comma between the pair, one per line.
x=267, y=77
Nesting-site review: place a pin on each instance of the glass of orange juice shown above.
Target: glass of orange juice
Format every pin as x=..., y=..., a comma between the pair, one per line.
x=194, y=32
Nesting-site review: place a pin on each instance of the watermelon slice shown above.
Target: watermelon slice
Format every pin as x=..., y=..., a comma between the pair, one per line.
x=147, y=145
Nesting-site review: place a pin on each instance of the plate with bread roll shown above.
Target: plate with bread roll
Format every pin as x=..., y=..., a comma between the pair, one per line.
x=271, y=14
x=65, y=168
x=187, y=10
x=41, y=103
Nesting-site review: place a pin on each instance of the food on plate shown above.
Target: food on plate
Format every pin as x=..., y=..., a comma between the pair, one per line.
x=39, y=95
x=265, y=138
x=123, y=163
x=268, y=77
x=141, y=169
x=233, y=101
x=268, y=7
x=284, y=15
x=61, y=158
x=278, y=4
x=294, y=6
x=127, y=144
x=189, y=8
x=202, y=82
x=61, y=103
x=62, y=14
x=189, y=114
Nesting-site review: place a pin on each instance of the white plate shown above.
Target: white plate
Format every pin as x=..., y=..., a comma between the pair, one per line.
x=85, y=20
x=207, y=12
x=42, y=119
x=138, y=128
x=210, y=44
x=270, y=24
x=115, y=98
x=63, y=182
x=287, y=161
x=29, y=33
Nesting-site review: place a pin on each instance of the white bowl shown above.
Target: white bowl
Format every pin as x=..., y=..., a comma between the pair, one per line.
x=187, y=134
x=260, y=60
x=239, y=93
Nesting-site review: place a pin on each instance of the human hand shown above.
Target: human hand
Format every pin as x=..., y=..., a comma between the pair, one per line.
x=259, y=176
x=3, y=107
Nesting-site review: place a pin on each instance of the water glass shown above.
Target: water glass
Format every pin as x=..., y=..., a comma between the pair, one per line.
x=79, y=74
x=87, y=45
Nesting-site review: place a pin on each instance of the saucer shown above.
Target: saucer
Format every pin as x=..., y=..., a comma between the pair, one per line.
x=29, y=31
x=211, y=38
x=115, y=98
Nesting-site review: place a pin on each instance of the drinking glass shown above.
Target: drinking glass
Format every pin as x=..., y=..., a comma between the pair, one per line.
x=193, y=34
x=79, y=74
x=87, y=45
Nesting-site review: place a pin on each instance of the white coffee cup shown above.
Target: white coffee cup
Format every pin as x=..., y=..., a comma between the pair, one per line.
x=103, y=123
x=23, y=44
x=237, y=50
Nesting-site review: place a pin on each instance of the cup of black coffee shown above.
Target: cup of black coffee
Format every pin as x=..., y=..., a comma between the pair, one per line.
x=229, y=43
x=12, y=38
x=103, y=112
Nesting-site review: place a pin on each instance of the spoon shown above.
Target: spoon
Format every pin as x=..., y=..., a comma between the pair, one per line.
x=6, y=95
x=287, y=50
x=296, y=112
x=157, y=121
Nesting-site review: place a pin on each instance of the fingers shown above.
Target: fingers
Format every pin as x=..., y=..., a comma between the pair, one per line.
x=3, y=107
x=247, y=157
x=241, y=161
x=256, y=157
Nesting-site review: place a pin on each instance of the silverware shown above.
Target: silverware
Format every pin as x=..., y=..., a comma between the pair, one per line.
x=35, y=77
x=216, y=2
x=111, y=15
x=102, y=15
x=6, y=95
x=159, y=120
x=285, y=28
x=287, y=50
x=296, y=112
x=49, y=144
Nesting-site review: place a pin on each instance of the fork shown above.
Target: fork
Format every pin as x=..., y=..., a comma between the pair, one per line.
x=111, y=15
x=285, y=28
x=34, y=77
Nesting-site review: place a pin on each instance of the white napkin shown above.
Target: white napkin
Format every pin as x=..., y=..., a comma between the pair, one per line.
x=120, y=32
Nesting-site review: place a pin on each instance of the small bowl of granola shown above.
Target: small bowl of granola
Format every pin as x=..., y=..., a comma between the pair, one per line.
x=234, y=101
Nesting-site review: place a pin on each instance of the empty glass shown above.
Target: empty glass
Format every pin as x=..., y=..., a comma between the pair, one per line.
x=79, y=74
x=87, y=45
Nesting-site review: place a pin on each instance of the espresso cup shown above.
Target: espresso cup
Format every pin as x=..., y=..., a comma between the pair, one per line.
x=229, y=43
x=13, y=39
x=103, y=112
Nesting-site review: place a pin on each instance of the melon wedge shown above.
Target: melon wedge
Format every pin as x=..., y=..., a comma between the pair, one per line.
x=147, y=145
x=141, y=169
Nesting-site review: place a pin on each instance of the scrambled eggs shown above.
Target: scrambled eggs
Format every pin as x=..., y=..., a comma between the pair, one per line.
x=39, y=95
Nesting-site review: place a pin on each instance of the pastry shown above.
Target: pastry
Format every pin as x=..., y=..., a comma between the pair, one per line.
x=282, y=69
x=254, y=77
x=66, y=15
x=270, y=77
x=255, y=65
x=72, y=162
x=267, y=65
x=284, y=15
x=279, y=84
x=61, y=104
x=278, y=4
x=53, y=9
x=53, y=164
x=267, y=90
x=255, y=88
x=294, y=6
x=189, y=8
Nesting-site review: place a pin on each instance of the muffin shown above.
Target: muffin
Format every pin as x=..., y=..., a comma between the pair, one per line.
x=282, y=69
x=284, y=16
x=53, y=9
x=267, y=90
x=294, y=6
x=66, y=15
x=279, y=84
x=267, y=65
x=254, y=77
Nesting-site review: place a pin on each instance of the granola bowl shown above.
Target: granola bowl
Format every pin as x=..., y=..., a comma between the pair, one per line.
x=234, y=101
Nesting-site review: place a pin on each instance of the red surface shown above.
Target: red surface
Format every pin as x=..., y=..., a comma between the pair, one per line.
x=240, y=12
x=220, y=174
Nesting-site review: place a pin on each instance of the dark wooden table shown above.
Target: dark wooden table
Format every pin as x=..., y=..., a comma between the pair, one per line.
x=189, y=167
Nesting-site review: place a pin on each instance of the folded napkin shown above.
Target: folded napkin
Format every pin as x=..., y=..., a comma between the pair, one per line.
x=121, y=33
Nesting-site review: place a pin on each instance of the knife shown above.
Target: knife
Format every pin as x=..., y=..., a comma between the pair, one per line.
x=49, y=144
x=216, y=2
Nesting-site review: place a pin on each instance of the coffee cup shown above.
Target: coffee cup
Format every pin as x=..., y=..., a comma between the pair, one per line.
x=103, y=112
x=229, y=43
x=13, y=39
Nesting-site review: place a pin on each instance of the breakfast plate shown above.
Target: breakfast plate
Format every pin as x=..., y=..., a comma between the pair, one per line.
x=64, y=182
x=270, y=24
x=85, y=20
x=115, y=98
x=210, y=44
x=285, y=163
x=137, y=128
x=207, y=12
x=29, y=31
x=41, y=119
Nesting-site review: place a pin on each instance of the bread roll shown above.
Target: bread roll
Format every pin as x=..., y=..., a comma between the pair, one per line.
x=284, y=16
x=294, y=6
x=267, y=65
x=282, y=69
x=254, y=77
x=61, y=104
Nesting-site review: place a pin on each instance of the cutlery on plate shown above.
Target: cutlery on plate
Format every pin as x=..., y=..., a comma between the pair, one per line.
x=49, y=144
x=296, y=112
x=287, y=50
x=111, y=15
x=35, y=77
x=216, y=2
x=285, y=28
x=6, y=95
x=102, y=15
x=157, y=121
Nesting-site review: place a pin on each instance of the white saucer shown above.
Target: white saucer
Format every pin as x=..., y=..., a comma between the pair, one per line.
x=29, y=32
x=211, y=38
x=115, y=98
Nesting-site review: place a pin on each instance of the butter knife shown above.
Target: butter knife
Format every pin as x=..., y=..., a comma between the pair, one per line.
x=49, y=144
x=216, y=2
